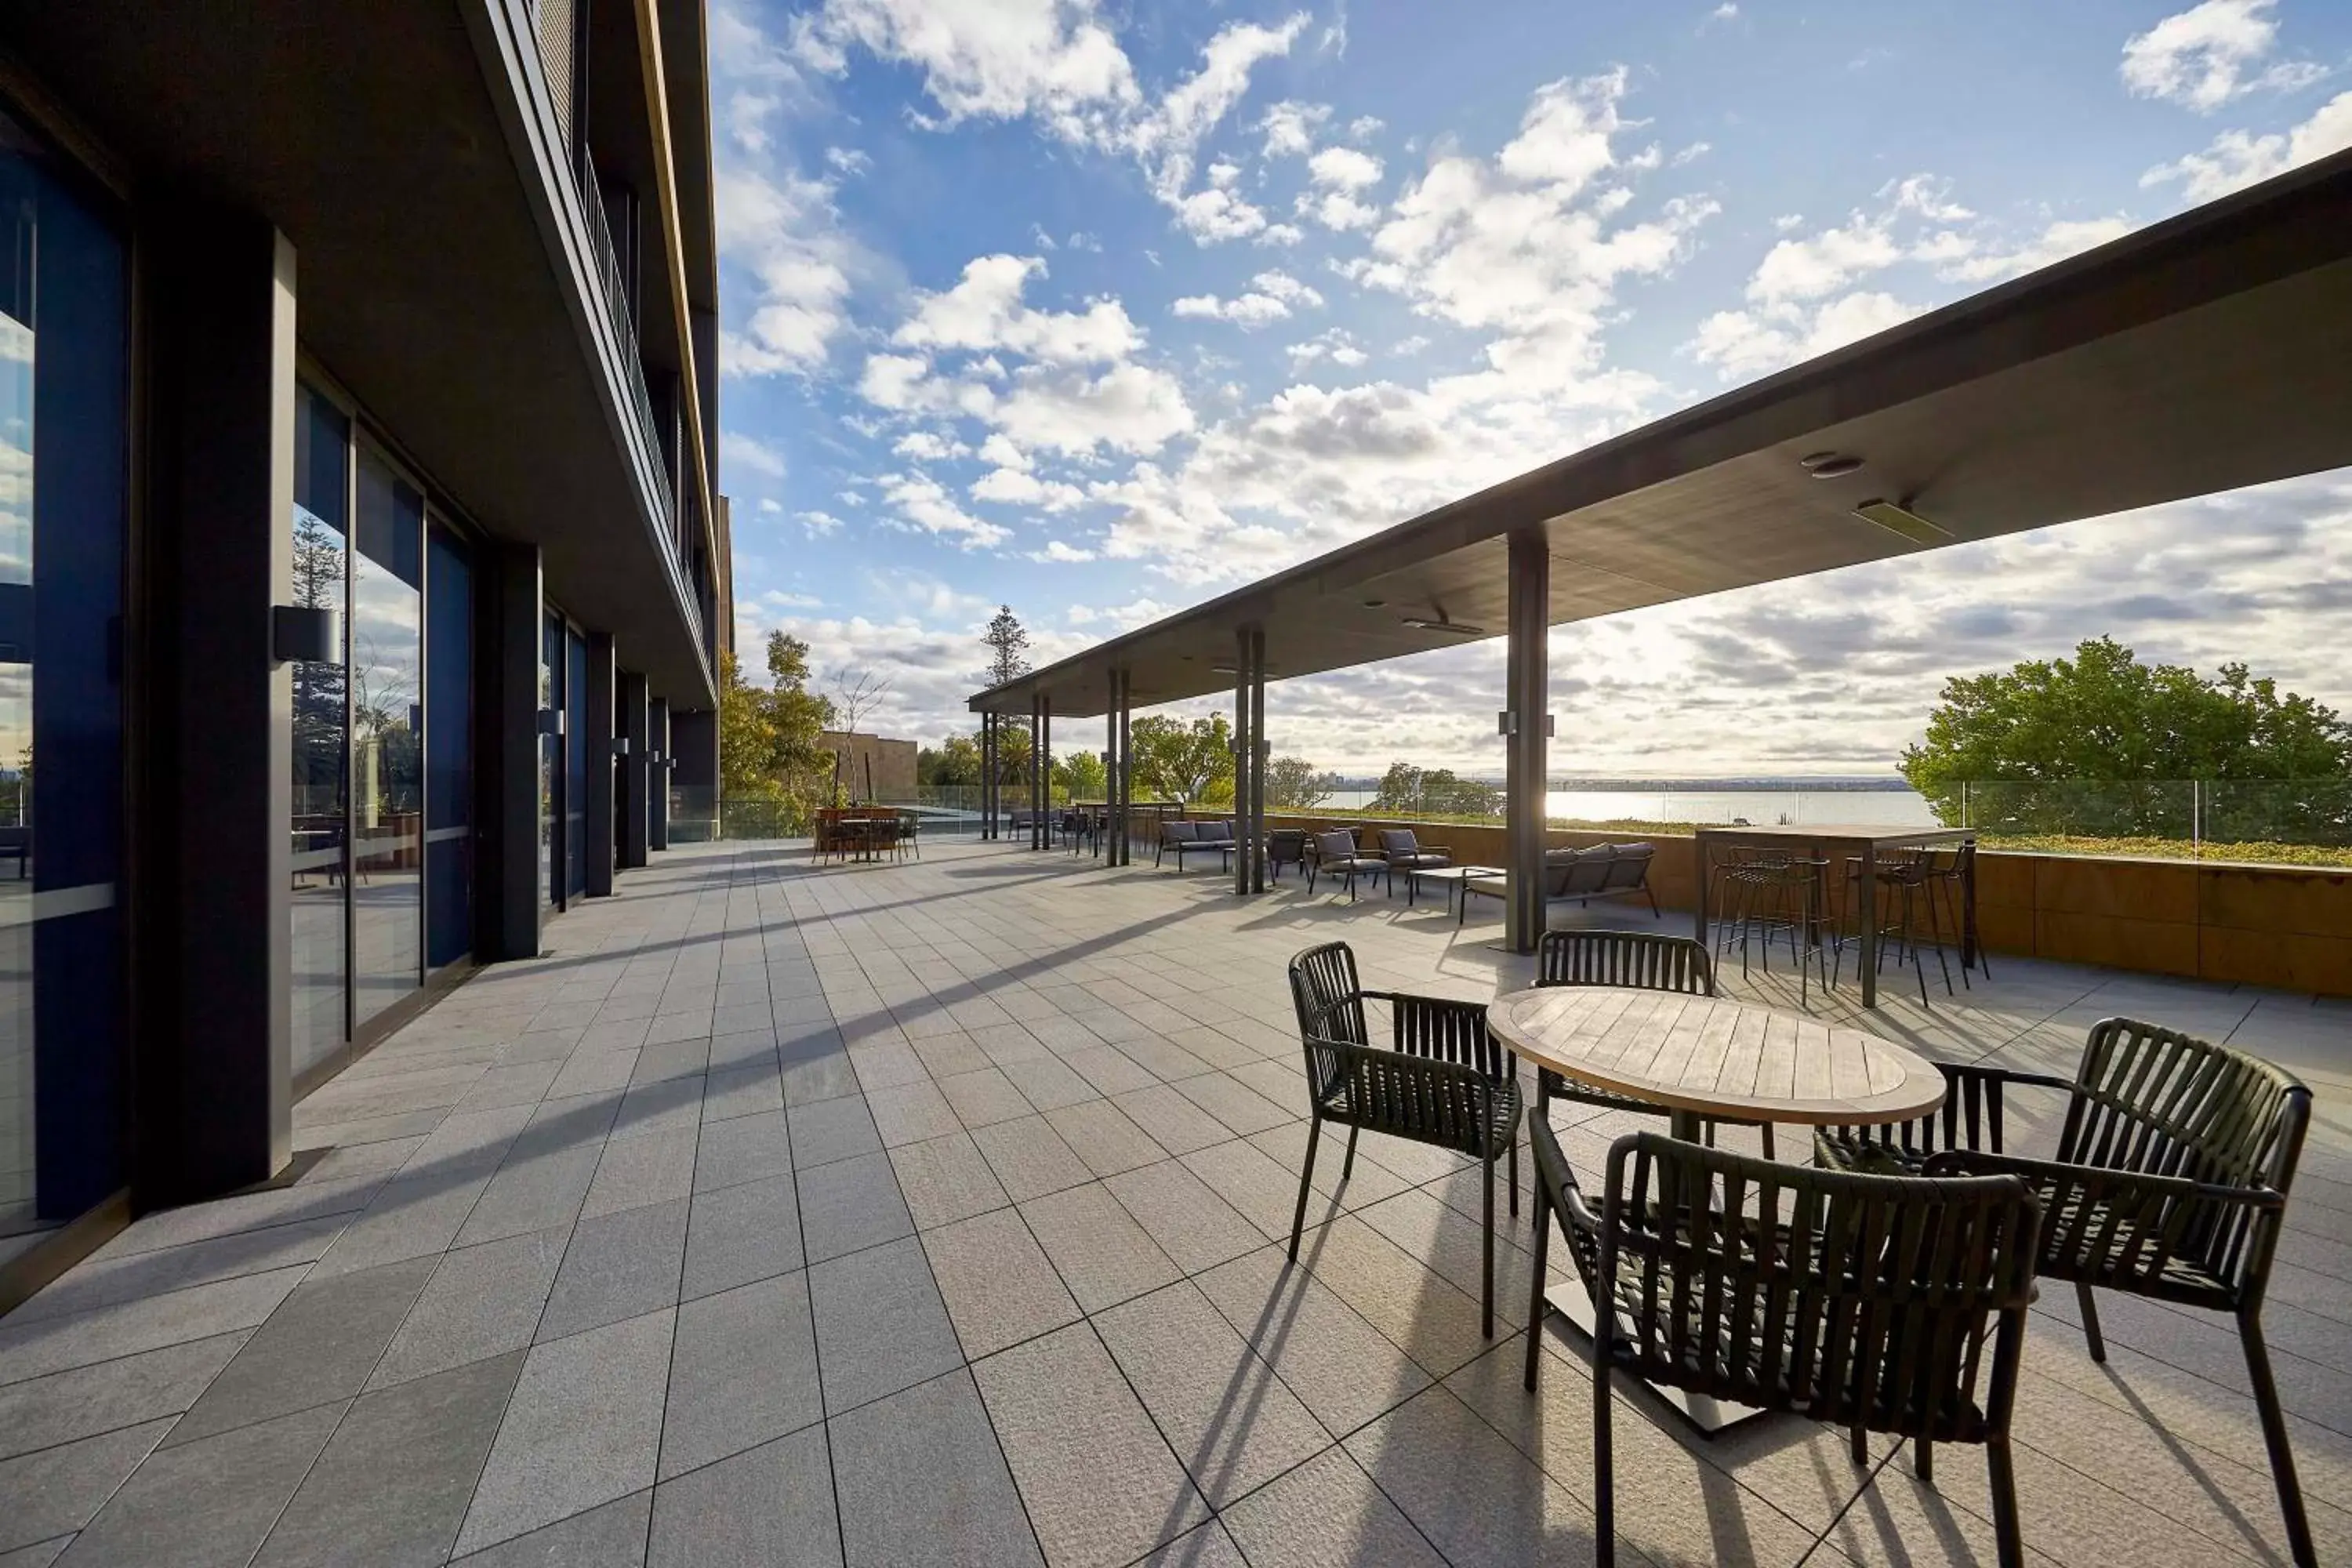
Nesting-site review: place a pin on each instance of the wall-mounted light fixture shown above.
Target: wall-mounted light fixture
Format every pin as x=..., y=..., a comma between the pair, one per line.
x=300, y=635
x=620, y=745
x=1506, y=722
x=551, y=721
x=1902, y=522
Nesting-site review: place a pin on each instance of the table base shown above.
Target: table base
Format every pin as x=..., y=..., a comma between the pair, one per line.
x=1704, y=1412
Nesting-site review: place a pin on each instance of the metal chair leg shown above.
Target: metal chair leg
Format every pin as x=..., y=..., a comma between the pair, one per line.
x=1604, y=1475
x=1542, y=1206
x=2008, y=1541
x=1923, y=1460
x=1514, y=1183
x=1306, y=1174
x=2266, y=1401
x=1347, y=1166
x=1487, y=1276
x=2091, y=1321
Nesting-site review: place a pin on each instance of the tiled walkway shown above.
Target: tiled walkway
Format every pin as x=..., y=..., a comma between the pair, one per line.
x=927, y=1213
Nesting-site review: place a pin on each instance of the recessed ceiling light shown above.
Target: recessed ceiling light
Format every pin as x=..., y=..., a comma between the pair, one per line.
x=1828, y=465
x=1459, y=628
x=1902, y=522
x=1374, y=603
x=1224, y=670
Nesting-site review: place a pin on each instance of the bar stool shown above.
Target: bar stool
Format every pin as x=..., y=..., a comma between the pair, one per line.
x=1776, y=893
x=1907, y=883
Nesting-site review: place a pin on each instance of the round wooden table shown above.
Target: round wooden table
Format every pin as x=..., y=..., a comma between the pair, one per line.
x=1706, y=1056
x=1709, y=1057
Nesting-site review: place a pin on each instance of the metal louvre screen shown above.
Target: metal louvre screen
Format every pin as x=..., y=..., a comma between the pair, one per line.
x=555, y=19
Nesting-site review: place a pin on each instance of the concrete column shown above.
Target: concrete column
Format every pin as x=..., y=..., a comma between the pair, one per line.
x=213, y=1025
x=1245, y=757
x=1526, y=759
x=508, y=885
x=1259, y=753
x=657, y=776
x=1126, y=766
x=637, y=728
x=598, y=741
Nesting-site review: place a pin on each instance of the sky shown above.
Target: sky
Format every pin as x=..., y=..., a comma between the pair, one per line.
x=1100, y=310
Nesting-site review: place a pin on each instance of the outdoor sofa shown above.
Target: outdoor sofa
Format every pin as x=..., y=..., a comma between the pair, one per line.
x=1181, y=838
x=1580, y=876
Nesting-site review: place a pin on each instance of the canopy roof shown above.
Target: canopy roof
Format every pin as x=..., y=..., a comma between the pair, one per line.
x=2203, y=353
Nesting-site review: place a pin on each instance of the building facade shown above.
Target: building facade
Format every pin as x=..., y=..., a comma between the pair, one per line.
x=362, y=575
x=870, y=767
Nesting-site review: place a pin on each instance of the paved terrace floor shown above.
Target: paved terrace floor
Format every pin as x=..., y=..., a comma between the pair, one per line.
x=927, y=1213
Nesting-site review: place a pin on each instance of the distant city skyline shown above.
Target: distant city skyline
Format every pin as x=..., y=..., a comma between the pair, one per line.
x=1097, y=313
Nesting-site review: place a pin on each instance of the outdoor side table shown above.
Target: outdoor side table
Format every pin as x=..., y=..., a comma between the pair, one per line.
x=1449, y=878
x=1703, y=1058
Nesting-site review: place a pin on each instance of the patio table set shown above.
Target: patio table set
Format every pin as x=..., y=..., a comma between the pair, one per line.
x=1884, y=1287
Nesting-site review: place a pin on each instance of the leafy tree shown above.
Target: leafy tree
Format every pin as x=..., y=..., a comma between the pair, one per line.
x=956, y=761
x=1008, y=648
x=1409, y=791
x=768, y=737
x=1293, y=785
x=1174, y=760
x=2103, y=743
x=1082, y=775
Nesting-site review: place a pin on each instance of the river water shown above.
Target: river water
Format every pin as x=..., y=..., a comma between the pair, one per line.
x=1871, y=807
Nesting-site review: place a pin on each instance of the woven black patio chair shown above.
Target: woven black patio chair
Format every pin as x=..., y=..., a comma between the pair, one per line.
x=1446, y=1081
x=1863, y=1302
x=1285, y=847
x=1624, y=958
x=2170, y=1181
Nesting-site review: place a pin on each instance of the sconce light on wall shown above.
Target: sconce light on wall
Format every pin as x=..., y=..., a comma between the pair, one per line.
x=551, y=721
x=298, y=635
x=620, y=745
x=1506, y=722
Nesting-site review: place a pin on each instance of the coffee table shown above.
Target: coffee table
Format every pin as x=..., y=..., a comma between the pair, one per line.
x=1703, y=1058
x=1450, y=877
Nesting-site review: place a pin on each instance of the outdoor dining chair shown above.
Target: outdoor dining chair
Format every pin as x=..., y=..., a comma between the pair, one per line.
x=2170, y=1181
x=1644, y=959
x=1446, y=1081
x=1402, y=851
x=1863, y=1302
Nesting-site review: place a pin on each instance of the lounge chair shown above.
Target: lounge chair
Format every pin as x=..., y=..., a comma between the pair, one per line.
x=1336, y=855
x=1404, y=852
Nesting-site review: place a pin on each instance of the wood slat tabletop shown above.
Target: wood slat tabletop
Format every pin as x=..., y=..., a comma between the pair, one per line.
x=1717, y=1057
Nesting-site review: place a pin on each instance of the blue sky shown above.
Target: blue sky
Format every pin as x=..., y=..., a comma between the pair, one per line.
x=1096, y=310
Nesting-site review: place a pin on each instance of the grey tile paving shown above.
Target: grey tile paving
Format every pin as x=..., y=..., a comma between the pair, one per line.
x=744, y=1149
x=320, y=1345
x=612, y=1535
x=584, y=1429
x=82, y=1402
x=742, y=1007
x=53, y=1491
x=850, y=1203
x=392, y=1486
x=207, y=1503
x=617, y=1266
x=946, y=1179
x=999, y=1286
x=939, y=1430
x=880, y=1324
x=1100, y=1485
x=769, y=1505
x=743, y=1371
x=482, y=1301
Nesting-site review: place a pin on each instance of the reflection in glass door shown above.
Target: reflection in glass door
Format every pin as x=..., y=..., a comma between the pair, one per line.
x=551, y=761
x=449, y=749
x=64, y=432
x=575, y=767
x=387, y=657
x=322, y=445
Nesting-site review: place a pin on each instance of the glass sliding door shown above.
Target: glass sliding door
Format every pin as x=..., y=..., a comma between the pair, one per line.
x=575, y=767
x=63, y=462
x=321, y=957
x=387, y=659
x=449, y=749
x=551, y=761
